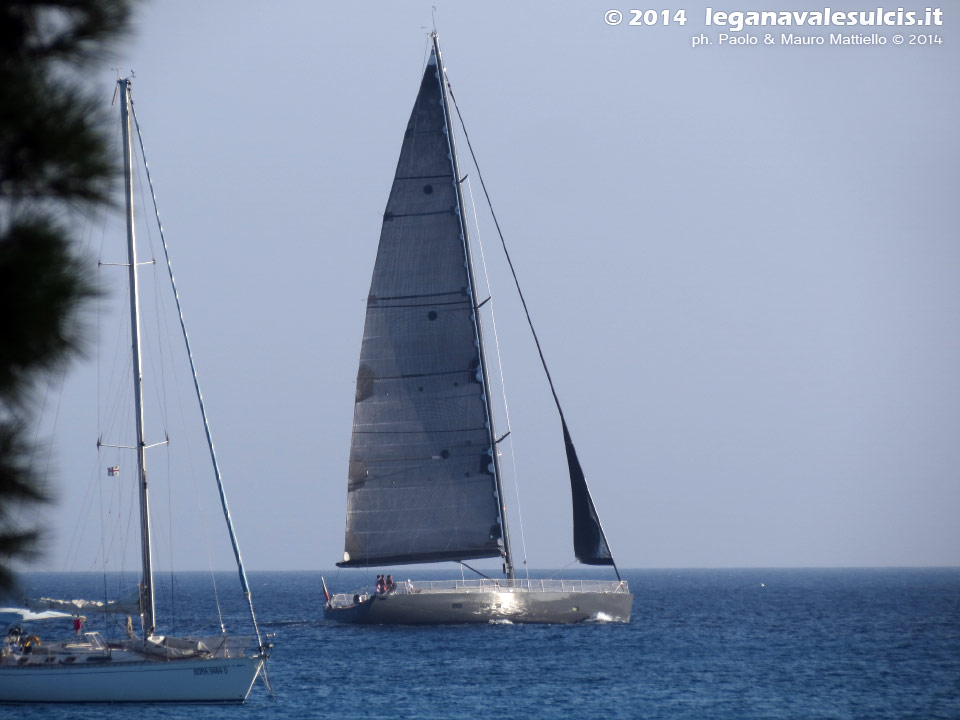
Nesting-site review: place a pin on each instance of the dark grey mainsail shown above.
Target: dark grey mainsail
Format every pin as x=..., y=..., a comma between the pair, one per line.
x=422, y=484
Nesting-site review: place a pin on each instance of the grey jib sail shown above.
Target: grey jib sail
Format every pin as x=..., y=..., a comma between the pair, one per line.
x=421, y=486
x=589, y=542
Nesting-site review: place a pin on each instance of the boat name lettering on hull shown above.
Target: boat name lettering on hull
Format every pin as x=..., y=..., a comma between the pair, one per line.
x=211, y=671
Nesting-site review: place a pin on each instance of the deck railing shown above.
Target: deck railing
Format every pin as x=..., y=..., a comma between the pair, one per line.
x=414, y=587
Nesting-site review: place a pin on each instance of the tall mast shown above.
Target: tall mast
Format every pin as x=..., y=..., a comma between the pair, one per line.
x=507, y=555
x=147, y=607
x=245, y=586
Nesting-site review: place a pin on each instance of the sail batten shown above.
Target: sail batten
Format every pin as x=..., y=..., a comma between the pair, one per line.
x=421, y=484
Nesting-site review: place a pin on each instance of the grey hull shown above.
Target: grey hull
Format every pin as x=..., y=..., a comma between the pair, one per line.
x=444, y=608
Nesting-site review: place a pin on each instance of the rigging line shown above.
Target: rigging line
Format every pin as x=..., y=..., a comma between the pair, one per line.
x=116, y=423
x=464, y=565
x=100, y=296
x=162, y=314
x=99, y=340
x=56, y=420
x=173, y=595
x=104, y=594
x=83, y=512
x=163, y=332
x=86, y=500
x=119, y=534
x=503, y=382
x=426, y=57
x=119, y=381
x=96, y=468
x=196, y=382
x=99, y=343
x=216, y=595
x=203, y=525
x=505, y=251
x=186, y=437
x=103, y=550
x=16, y=524
x=86, y=232
x=124, y=546
x=450, y=132
x=154, y=346
x=516, y=281
x=160, y=388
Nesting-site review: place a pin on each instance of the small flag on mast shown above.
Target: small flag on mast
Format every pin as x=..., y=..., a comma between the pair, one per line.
x=112, y=471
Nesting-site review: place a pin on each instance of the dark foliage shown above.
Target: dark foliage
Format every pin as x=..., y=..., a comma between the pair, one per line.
x=54, y=166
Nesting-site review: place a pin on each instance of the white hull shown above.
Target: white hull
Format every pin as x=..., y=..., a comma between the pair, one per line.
x=198, y=680
x=485, y=601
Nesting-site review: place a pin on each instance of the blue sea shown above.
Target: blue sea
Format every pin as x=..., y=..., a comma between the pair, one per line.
x=717, y=644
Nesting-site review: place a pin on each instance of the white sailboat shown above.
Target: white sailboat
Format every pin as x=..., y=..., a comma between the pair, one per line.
x=150, y=667
x=424, y=482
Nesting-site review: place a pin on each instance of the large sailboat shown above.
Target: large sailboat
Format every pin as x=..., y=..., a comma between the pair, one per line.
x=148, y=667
x=424, y=482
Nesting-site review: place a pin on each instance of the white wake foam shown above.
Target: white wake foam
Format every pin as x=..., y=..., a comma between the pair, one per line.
x=602, y=617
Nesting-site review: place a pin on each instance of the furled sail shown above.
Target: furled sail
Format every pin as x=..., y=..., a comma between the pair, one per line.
x=421, y=484
x=589, y=542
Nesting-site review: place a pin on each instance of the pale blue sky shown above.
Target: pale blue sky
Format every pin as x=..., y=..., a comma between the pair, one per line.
x=743, y=265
